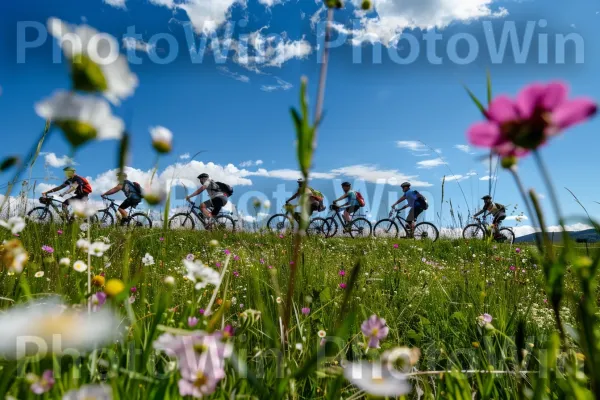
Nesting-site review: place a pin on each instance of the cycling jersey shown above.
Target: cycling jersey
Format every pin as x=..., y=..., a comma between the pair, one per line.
x=76, y=180
x=352, y=200
x=213, y=189
x=130, y=191
x=411, y=197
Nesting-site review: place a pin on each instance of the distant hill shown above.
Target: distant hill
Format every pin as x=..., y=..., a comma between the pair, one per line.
x=591, y=235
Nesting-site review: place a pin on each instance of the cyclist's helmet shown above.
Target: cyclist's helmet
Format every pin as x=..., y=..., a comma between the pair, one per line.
x=405, y=184
x=203, y=176
x=300, y=181
x=69, y=169
x=346, y=184
x=487, y=197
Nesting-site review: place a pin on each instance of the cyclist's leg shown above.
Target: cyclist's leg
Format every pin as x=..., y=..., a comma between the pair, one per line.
x=496, y=224
x=410, y=219
x=204, y=208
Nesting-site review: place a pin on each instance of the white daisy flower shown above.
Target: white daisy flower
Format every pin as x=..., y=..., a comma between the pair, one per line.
x=80, y=266
x=162, y=139
x=65, y=262
x=201, y=275
x=155, y=194
x=322, y=333
x=376, y=379
x=14, y=224
x=81, y=118
x=45, y=321
x=83, y=244
x=94, y=63
x=148, y=260
x=169, y=280
x=84, y=209
x=98, y=249
x=92, y=392
x=39, y=274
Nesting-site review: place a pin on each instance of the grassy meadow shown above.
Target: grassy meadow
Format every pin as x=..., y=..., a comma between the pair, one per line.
x=431, y=295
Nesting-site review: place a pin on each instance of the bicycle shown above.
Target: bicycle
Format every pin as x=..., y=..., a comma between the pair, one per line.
x=106, y=217
x=44, y=214
x=185, y=220
x=284, y=222
x=389, y=228
x=481, y=230
x=357, y=227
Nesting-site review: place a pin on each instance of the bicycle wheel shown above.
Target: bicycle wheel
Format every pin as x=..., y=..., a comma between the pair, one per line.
x=317, y=227
x=507, y=234
x=182, y=222
x=473, y=231
x=41, y=215
x=139, y=221
x=103, y=219
x=332, y=227
x=280, y=223
x=385, y=228
x=426, y=231
x=224, y=223
x=360, y=227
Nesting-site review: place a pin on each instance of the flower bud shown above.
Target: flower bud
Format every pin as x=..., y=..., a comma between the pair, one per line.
x=162, y=139
x=366, y=5
x=508, y=162
x=87, y=75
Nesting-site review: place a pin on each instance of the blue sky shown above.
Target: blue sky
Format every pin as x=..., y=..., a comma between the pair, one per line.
x=238, y=112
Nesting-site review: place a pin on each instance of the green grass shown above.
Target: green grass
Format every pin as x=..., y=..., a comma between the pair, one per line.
x=429, y=294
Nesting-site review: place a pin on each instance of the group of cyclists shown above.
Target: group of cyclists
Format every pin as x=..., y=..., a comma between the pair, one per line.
x=218, y=194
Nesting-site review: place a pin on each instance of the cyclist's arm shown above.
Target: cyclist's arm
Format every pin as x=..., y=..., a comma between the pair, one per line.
x=114, y=190
x=400, y=200
x=56, y=189
x=478, y=213
x=341, y=198
x=71, y=189
x=406, y=206
x=293, y=197
x=196, y=193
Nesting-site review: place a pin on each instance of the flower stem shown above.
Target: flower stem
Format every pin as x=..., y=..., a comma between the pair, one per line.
x=550, y=187
x=534, y=218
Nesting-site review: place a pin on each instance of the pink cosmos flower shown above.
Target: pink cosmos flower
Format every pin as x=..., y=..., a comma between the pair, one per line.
x=291, y=263
x=395, y=245
x=270, y=267
x=517, y=250
x=133, y=289
x=236, y=258
x=227, y=252
x=305, y=310
x=236, y=274
x=201, y=311
x=342, y=273
x=540, y=112
x=47, y=249
x=218, y=265
x=44, y=383
x=512, y=268
x=192, y=322
x=374, y=329
x=60, y=232
x=162, y=239
x=343, y=285
x=280, y=236
x=262, y=261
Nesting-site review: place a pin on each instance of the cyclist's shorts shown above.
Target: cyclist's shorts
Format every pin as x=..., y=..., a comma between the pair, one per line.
x=314, y=205
x=216, y=204
x=414, y=213
x=499, y=217
x=78, y=197
x=353, y=209
x=129, y=202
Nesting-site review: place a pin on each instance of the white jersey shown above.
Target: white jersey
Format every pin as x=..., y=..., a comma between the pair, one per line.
x=213, y=189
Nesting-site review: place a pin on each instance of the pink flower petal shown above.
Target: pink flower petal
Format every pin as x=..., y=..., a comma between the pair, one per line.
x=556, y=93
x=503, y=109
x=530, y=98
x=573, y=112
x=510, y=150
x=484, y=134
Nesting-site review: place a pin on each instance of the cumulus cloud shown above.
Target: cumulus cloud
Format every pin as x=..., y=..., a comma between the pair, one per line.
x=291, y=174
x=373, y=174
x=52, y=160
x=131, y=43
x=411, y=145
x=261, y=50
x=464, y=148
x=206, y=16
x=393, y=17
x=185, y=156
x=270, y=3
x=251, y=163
x=431, y=163
x=116, y=3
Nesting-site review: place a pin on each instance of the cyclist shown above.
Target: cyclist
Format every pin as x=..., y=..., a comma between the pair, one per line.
x=415, y=200
x=352, y=205
x=217, y=198
x=77, y=184
x=315, y=200
x=132, y=192
x=497, y=210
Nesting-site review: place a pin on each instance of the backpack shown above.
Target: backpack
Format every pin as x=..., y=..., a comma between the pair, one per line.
x=316, y=194
x=422, y=200
x=86, y=187
x=225, y=188
x=138, y=188
x=360, y=199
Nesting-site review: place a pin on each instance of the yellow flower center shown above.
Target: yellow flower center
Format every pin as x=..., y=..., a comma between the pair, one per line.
x=374, y=332
x=77, y=132
x=200, y=347
x=200, y=380
x=87, y=75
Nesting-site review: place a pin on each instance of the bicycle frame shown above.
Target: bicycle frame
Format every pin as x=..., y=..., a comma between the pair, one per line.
x=338, y=212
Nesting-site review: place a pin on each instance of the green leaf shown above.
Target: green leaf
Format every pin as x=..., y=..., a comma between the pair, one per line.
x=489, y=87
x=8, y=163
x=476, y=101
x=325, y=296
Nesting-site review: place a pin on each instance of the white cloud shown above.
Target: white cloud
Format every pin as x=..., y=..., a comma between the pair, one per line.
x=268, y=50
x=251, y=163
x=116, y=3
x=393, y=17
x=487, y=178
x=206, y=16
x=372, y=174
x=464, y=148
x=528, y=229
x=51, y=160
x=185, y=156
x=455, y=178
x=237, y=76
x=517, y=218
x=270, y=3
x=291, y=174
x=163, y=3
x=412, y=145
x=431, y=163
x=135, y=44
x=281, y=85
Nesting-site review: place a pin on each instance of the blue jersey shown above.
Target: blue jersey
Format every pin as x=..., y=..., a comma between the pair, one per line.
x=411, y=197
x=352, y=201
